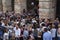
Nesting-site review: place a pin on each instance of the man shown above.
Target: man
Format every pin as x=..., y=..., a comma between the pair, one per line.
x=53, y=32
x=25, y=34
x=35, y=34
x=1, y=32
x=56, y=22
x=47, y=35
x=17, y=32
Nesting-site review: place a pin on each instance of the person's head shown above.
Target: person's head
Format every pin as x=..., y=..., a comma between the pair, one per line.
x=59, y=26
x=16, y=26
x=53, y=26
x=57, y=18
x=43, y=20
x=45, y=29
x=43, y=24
x=6, y=11
x=6, y=30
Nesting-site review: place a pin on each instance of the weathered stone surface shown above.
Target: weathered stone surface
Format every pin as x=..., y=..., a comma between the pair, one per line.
x=20, y=5
x=1, y=8
x=47, y=9
x=17, y=6
x=6, y=5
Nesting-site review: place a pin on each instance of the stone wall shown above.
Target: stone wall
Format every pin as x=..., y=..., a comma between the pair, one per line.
x=19, y=5
x=6, y=5
x=1, y=8
x=47, y=8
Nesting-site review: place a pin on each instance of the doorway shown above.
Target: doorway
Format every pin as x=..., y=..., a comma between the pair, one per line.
x=58, y=9
x=32, y=7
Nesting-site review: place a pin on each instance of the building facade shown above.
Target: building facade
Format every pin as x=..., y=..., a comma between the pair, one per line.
x=47, y=8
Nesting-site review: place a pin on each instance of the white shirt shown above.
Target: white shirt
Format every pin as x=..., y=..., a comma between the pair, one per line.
x=23, y=20
x=53, y=32
x=38, y=29
x=58, y=32
x=22, y=23
x=49, y=32
x=32, y=29
x=34, y=21
x=17, y=32
x=3, y=24
x=6, y=36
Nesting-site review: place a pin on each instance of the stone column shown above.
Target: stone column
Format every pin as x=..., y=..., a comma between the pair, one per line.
x=47, y=9
x=6, y=5
x=1, y=8
x=19, y=5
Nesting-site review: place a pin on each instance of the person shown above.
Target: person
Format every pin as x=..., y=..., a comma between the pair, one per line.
x=47, y=35
x=53, y=32
x=17, y=32
x=58, y=33
x=35, y=34
x=25, y=34
x=33, y=20
x=30, y=38
x=1, y=32
x=3, y=24
x=21, y=36
x=56, y=22
x=6, y=35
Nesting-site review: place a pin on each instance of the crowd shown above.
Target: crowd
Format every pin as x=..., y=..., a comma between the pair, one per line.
x=27, y=26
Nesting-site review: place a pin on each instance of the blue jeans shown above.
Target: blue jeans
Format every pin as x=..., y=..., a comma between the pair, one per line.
x=58, y=38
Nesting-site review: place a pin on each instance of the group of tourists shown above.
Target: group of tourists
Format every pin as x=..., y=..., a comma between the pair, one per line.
x=28, y=26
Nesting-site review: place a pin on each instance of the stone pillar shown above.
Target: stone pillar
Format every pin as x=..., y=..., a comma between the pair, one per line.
x=1, y=8
x=19, y=5
x=47, y=8
x=6, y=5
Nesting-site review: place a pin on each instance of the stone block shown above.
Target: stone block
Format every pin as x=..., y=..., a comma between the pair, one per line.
x=44, y=5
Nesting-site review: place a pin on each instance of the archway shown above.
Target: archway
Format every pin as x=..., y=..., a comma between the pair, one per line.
x=31, y=4
x=58, y=9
